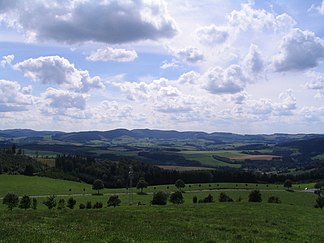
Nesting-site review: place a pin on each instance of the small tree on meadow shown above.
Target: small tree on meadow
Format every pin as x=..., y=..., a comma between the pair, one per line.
x=141, y=185
x=113, y=201
x=274, y=199
x=223, y=197
x=159, y=198
x=25, y=202
x=179, y=184
x=255, y=196
x=98, y=185
x=288, y=184
x=34, y=204
x=11, y=200
x=71, y=203
x=176, y=197
x=61, y=204
x=195, y=199
x=50, y=202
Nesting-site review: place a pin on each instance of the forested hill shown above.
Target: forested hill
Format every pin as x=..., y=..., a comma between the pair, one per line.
x=217, y=137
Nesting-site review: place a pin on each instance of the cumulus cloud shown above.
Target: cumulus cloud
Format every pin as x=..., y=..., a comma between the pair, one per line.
x=253, y=62
x=58, y=70
x=113, y=54
x=299, y=50
x=191, y=77
x=190, y=54
x=110, y=21
x=13, y=97
x=7, y=60
x=59, y=101
x=316, y=83
x=224, y=81
x=172, y=64
x=259, y=19
x=212, y=34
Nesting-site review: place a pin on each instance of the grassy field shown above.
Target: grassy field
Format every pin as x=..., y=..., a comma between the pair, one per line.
x=295, y=220
x=206, y=157
x=216, y=222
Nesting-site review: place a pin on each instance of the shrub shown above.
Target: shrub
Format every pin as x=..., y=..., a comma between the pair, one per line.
x=207, y=199
x=224, y=198
x=255, y=196
x=11, y=200
x=159, y=198
x=71, y=203
x=113, y=201
x=98, y=205
x=50, y=202
x=274, y=199
x=319, y=202
x=194, y=199
x=34, y=204
x=319, y=185
x=88, y=205
x=82, y=206
x=25, y=202
x=176, y=197
x=61, y=204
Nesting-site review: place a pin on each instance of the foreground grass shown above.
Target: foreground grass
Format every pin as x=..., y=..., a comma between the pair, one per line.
x=216, y=222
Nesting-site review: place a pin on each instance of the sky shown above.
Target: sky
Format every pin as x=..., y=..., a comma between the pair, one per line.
x=245, y=67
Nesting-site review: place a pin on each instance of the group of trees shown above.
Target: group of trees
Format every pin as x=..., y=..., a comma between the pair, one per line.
x=12, y=201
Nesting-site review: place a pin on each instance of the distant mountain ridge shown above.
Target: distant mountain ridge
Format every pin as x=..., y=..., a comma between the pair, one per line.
x=219, y=137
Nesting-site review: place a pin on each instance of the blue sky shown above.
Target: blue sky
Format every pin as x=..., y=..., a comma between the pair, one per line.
x=233, y=66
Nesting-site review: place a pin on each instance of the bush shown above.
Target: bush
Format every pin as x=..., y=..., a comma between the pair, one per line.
x=224, y=198
x=176, y=197
x=11, y=200
x=194, y=199
x=159, y=198
x=255, y=196
x=113, y=201
x=25, y=202
x=34, y=204
x=61, y=204
x=274, y=199
x=88, y=205
x=98, y=205
x=82, y=206
x=319, y=185
x=50, y=202
x=71, y=203
x=208, y=199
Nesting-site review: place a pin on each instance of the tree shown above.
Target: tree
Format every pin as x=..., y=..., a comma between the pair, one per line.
x=141, y=185
x=71, y=203
x=255, y=196
x=274, y=199
x=34, y=204
x=194, y=199
x=50, y=202
x=25, y=202
x=176, y=197
x=11, y=200
x=113, y=201
x=319, y=202
x=29, y=170
x=13, y=149
x=159, y=198
x=288, y=183
x=179, y=184
x=97, y=185
x=61, y=204
x=224, y=198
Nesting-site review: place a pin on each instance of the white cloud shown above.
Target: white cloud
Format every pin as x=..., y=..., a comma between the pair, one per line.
x=259, y=19
x=166, y=65
x=212, y=34
x=224, y=81
x=316, y=83
x=190, y=78
x=113, y=54
x=7, y=60
x=13, y=97
x=110, y=21
x=59, y=101
x=58, y=70
x=253, y=62
x=299, y=50
x=190, y=54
